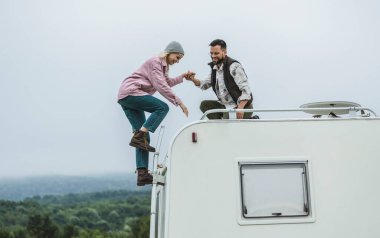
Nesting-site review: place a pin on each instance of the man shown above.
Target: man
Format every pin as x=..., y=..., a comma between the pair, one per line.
x=229, y=82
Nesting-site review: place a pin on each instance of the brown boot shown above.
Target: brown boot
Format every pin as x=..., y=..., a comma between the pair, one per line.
x=139, y=140
x=143, y=177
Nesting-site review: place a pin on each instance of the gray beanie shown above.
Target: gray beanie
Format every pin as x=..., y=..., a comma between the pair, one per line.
x=174, y=47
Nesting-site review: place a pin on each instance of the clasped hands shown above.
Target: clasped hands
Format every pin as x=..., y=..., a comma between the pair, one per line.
x=189, y=75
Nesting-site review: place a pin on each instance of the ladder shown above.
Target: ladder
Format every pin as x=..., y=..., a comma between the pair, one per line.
x=158, y=173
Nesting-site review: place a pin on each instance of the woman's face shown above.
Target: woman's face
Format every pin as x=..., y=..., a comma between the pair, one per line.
x=173, y=58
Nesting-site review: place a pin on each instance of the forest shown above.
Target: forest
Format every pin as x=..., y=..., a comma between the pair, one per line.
x=110, y=214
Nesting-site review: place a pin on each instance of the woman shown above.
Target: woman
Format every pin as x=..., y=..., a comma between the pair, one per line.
x=135, y=99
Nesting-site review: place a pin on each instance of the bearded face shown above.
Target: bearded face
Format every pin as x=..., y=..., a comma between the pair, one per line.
x=217, y=54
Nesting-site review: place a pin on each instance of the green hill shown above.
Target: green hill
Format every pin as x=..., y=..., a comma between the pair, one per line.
x=110, y=214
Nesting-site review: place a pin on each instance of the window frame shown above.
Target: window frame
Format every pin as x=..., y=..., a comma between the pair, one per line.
x=246, y=220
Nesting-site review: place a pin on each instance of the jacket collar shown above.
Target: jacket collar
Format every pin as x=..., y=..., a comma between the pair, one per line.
x=163, y=61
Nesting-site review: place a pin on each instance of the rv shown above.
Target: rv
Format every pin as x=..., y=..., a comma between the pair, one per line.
x=314, y=176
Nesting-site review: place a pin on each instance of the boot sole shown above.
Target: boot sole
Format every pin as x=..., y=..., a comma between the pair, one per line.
x=143, y=184
x=141, y=147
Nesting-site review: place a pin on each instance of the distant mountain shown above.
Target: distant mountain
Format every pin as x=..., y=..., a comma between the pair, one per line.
x=20, y=188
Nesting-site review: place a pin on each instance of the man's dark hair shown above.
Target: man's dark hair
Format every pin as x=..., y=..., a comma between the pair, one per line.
x=219, y=42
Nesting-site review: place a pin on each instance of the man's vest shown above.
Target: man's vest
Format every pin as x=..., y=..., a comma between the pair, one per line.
x=229, y=81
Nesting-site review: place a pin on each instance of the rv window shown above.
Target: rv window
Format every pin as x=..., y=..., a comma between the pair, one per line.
x=274, y=189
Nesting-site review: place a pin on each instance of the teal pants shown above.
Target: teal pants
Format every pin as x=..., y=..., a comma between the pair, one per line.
x=134, y=108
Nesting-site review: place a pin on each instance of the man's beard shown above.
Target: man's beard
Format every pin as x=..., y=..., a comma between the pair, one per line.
x=220, y=61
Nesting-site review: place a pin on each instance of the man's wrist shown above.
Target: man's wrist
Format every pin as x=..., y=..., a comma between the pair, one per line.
x=242, y=104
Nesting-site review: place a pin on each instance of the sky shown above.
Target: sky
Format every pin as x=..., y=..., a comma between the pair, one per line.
x=62, y=62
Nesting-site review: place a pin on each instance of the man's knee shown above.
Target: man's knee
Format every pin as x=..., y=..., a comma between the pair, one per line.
x=207, y=105
x=203, y=106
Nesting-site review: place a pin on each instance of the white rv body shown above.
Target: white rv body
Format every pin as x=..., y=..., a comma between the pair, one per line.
x=202, y=195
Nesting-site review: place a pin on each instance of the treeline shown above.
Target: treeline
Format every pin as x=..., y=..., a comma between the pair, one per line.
x=112, y=214
x=17, y=189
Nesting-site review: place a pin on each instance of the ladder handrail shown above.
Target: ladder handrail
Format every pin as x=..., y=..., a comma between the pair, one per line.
x=233, y=110
x=158, y=147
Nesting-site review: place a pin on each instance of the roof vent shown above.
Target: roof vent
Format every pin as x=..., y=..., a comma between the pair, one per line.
x=330, y=108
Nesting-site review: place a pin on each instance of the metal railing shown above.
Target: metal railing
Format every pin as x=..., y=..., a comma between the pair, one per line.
x=307, y=110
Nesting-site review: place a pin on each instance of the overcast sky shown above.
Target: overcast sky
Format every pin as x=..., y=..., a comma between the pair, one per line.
x=62, y=62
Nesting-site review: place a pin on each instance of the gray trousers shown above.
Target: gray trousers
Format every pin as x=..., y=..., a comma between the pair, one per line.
x=213, y=104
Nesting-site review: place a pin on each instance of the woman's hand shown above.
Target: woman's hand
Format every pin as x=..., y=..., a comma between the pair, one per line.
x=189, y=75
x=184, y=109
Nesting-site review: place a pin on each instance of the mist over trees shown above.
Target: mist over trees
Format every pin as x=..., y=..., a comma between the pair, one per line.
x=16, y=189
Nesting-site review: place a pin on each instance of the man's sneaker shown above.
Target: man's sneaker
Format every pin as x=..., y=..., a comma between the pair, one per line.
x=139, y=140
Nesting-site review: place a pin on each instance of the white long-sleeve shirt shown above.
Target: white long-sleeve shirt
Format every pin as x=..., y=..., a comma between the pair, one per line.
x=222, y=93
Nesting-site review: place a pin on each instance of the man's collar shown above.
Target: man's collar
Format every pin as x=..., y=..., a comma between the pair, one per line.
x=218, y=68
